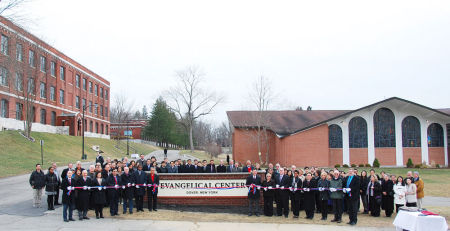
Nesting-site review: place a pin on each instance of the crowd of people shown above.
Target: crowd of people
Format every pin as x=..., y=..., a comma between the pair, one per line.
x=313, y=190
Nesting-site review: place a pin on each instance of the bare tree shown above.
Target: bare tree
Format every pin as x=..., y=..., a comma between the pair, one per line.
x=121, y=111
x=10, y=9
x=262, y=96
x=189, y=100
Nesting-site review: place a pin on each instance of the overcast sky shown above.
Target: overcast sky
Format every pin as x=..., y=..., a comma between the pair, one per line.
x=327, y=54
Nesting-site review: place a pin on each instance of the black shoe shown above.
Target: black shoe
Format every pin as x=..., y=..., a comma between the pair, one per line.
x=365, y=212
x=131, y=212
x=250, y=214
x=57, y=204
x=324, y=219
x=339, y=221
x=97, y=217
x=80, y=218
x=257, y=214
x=334, y=220
x=349, y=223
x=124, y=212
x=101, y=217
x=86, y=218
x=286, y=216
x=155, y=210
x=149, y=210
x=295, y=216
x=353, y=223
x=112, y=214
x=71, y=219
x=66, y=220
x=117, y=214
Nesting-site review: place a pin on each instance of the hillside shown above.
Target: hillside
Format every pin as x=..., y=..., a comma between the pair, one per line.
x=18, y=155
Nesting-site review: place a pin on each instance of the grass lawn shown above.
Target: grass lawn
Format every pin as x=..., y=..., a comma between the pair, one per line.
x=19, y=156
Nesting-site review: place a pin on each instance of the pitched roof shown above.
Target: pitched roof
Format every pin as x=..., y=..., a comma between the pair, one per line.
x=282, y=122
x=285, y=123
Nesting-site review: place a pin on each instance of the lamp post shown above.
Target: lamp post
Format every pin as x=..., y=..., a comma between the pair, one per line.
x=128, y=140
x=83, y=157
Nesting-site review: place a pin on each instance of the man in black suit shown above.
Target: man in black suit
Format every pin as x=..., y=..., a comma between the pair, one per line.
x=99, y=158
x=152, y=192
x=253, y=182
x=197, y=168
x=113, y=193
x=140, y=178
x=309, y=195
x=351, y=190
x=282, y=195
x=189, y=168
x=64, y=172
x=147, y=165
x=221, y=167
x=211, y=167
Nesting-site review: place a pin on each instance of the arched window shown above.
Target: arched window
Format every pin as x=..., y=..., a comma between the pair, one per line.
x=411, y=132
x=106, y=130
x=53, y=118
x=43, y=116
x=335, y=136
x=384, y=128
x=357, y=133
x=435, y=135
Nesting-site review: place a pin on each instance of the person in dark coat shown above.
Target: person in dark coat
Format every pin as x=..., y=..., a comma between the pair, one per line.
x=165, y=152
x=99, y=158
x=172, y=168
x=68, y=196
x=51, y=186
x=163, y=168
x=152, y=192
x=324, y=185
x=374, y=195
x=309, y=195
x=128, y=181
x=387, y=197
x=83, y=195
x=253, y=182
x=139, y=193
x=211, y=167
x=352, y=185
x=113, y=193
x=297, y=185
x=221, y=167
x=147, y=166
x=282, y=195
x=248, y=168
x=37, y=182
x=268, y=194
x=69, y=168
x=99, y=194
x=363, y=190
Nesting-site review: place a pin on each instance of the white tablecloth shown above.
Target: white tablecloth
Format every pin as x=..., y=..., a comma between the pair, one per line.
x=413, y=222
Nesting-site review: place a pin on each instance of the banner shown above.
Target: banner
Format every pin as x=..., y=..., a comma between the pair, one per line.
x=203, y=188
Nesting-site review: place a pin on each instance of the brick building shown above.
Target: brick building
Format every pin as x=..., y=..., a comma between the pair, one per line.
x=391, y=130
x=135, y=127
x=60, y=87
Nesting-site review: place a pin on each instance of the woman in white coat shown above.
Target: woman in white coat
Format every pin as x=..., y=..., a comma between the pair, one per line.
x=411, y=199
x=399, y=194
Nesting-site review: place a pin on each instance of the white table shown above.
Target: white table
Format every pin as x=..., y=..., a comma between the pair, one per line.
x=413, y=222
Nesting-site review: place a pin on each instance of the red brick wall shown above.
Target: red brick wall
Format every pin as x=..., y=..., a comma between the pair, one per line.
x=414, y=153
x=386, y=156
x=436, y=155
x=335, y=156
x=307, y=148
x=359, y=156
x=231, y=201
x=245, y=146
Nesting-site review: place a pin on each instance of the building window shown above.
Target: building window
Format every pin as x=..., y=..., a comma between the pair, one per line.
x=334, y=136
x=91, y=126
x=43, y=92
x=5, y=45
x=52, y=93
x=43, y=64
x=53, y=118
x=357, y=133
x=53, y=68
x=96, y=109
x=33, y=114
x=96, y=127
x=96, y=90
x=435, y=135
x=106, y=94
x=77, y=80
x=62, y=73
x=77, y=102
x=3, y=76
x=106, y=112
x=31, y=87
x=106, y=130
x=19, y=52
x=101, y=129
x=384, y=128
x=61, y=96
x=90, y=87
x=19, y=107
x=101, y=110
x=31, y=60
x=84, y=84
x=101, y=92
x=43, y=115
x=90, y=106
x=18, y=83
x=4, y=108
x=84, y=104
x=411, y=132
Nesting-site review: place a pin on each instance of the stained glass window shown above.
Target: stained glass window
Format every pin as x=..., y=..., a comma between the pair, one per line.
x=384, y=128
x=411, y=132
x=358, y=132
x=435, y=135
x=335, y=136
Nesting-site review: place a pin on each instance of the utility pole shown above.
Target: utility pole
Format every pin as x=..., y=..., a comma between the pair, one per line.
x=128, y=140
